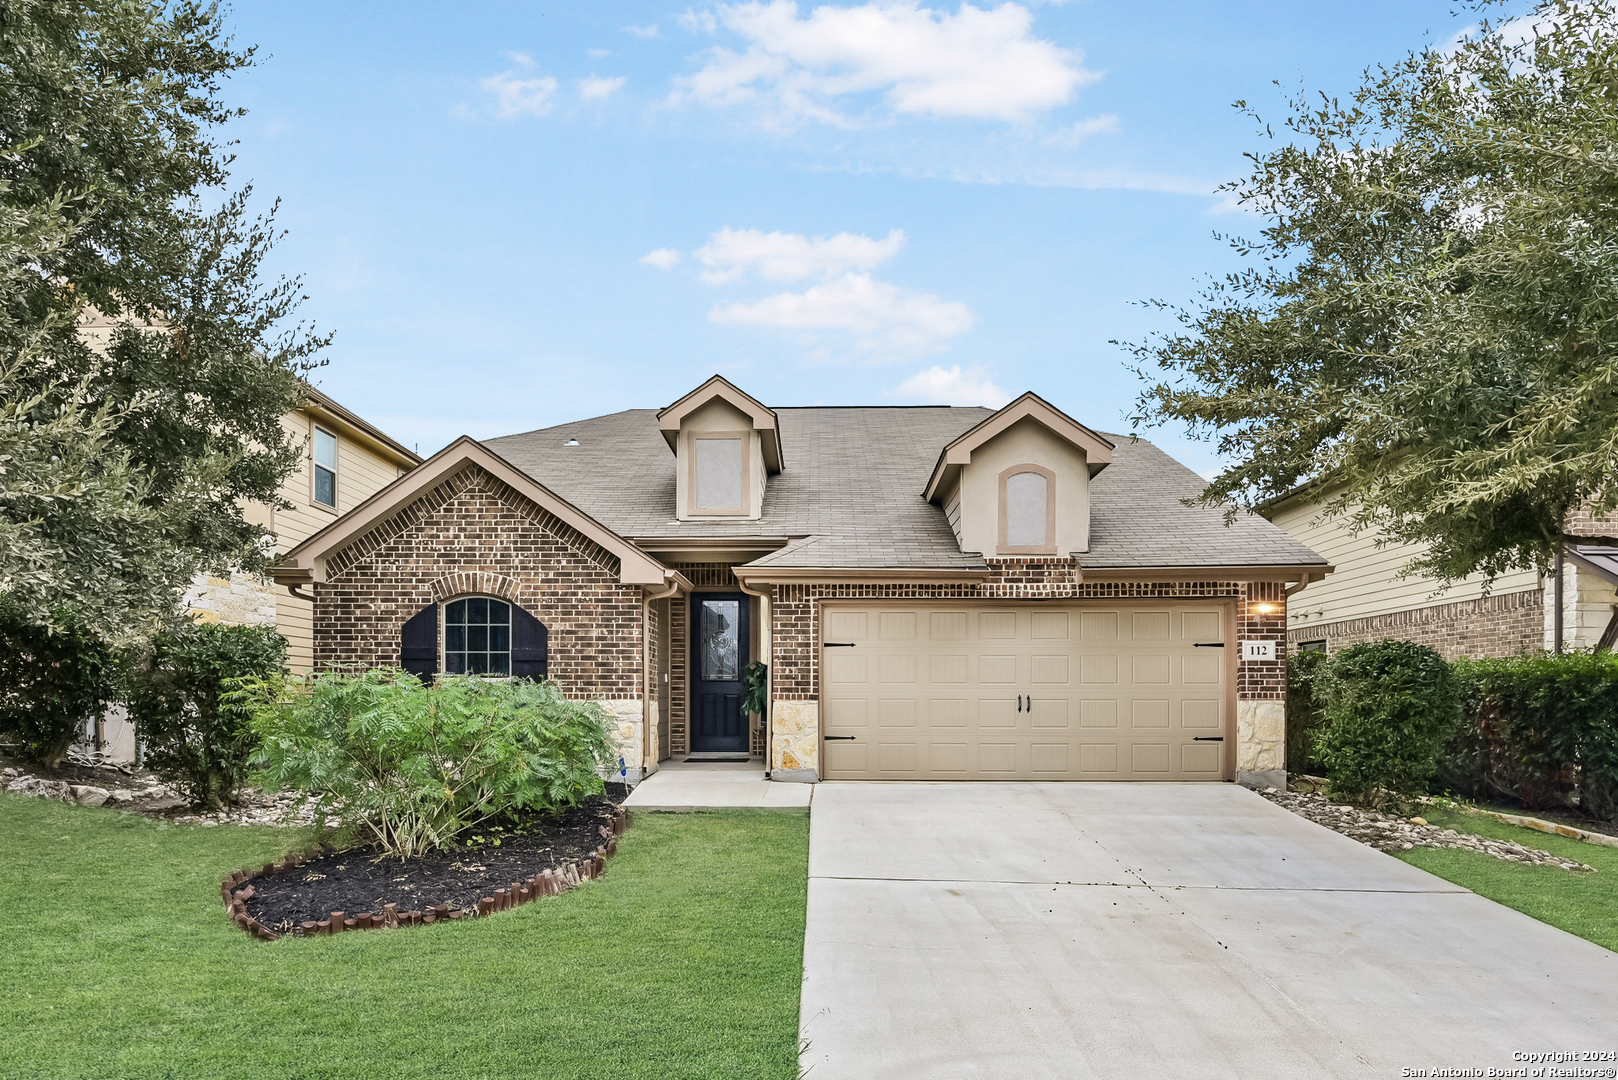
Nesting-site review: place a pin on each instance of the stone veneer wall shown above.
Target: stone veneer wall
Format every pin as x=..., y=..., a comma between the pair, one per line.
x=239, y=600
x=474, y=534
x=1505, y=625
x=1260, y=685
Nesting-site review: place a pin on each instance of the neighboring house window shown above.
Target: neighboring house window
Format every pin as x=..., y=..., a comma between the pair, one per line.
x=1311, y=646
x=325, y=468
x=718, y=474
x=1027, y=511
x=477, y=636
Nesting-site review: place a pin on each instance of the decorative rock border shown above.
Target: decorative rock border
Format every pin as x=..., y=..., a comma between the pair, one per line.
x=237, y=888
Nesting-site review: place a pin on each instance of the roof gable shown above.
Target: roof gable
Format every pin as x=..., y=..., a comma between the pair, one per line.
x=765, y=422
x=1097, y=449
x=306, y=562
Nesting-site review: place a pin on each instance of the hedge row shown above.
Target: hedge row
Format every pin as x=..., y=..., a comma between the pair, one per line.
x=1542, y=729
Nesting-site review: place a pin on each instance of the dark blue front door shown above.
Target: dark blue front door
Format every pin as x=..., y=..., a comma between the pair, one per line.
x=719, y=635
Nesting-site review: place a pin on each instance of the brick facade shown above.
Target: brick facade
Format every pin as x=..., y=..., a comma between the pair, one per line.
x=796, y=615
x=1505, y=625
x=472, y=534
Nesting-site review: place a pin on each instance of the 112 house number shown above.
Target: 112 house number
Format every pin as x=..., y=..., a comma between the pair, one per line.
x=1258, y=650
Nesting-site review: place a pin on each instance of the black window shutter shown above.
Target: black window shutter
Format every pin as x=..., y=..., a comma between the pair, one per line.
x=530, y=643
x=418, y=644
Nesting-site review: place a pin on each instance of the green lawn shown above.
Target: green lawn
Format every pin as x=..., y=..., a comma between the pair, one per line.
x=1582, y=904
x=116, y=960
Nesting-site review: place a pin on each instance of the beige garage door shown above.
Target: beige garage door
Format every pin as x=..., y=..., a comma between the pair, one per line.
x=1024, y=692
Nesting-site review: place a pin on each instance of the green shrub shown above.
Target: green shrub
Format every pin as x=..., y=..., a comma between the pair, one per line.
x=194, y=736
x=1542, y=729
x=51, y=685
x=411, y=766
x=1389, y=707
x=1304, y=716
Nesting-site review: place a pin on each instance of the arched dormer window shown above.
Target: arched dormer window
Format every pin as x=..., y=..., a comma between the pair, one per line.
x=483, y=635
x=1027, y=511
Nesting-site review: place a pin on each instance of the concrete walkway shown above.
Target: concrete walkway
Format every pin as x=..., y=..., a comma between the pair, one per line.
x=1074, y=930
x=715, y=785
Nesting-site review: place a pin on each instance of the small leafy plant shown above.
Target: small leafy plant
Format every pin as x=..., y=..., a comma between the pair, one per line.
x=52, y=682
x=1389, y=707
x=412, y=767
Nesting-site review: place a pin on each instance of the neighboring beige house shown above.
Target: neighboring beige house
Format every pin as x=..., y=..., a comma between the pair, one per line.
x=1366, y=599
x=934, y=593
x=346, y=460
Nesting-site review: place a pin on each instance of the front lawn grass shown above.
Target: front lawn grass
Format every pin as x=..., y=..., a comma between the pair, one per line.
x=1582, y=904
x=117, y=960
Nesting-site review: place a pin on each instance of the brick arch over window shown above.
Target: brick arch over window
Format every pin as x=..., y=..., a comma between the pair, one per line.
x=474, y=583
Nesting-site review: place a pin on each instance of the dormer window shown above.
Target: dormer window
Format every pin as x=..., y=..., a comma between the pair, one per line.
x=726, y=446
x=1027, y=511
x=719, y=472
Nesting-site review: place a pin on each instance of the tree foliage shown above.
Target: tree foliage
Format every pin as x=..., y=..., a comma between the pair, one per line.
x=127, y=449
x=196, y=736
x=1428, y=330
x=51, y=683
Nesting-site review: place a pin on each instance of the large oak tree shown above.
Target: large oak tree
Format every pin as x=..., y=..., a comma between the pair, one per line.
x=1427, y=330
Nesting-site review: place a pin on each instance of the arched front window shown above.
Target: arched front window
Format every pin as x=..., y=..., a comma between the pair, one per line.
x=477, y=636
x=1027, y=511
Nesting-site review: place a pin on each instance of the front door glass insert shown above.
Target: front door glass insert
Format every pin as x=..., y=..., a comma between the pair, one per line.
x=720, y=639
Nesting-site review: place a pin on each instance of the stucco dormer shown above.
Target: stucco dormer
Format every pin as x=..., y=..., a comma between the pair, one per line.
x=726, y=444
x=1019, y=483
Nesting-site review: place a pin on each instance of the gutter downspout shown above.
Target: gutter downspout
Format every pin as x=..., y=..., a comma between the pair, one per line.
x=675, y=582
x=766, y=618
x=1557, y=592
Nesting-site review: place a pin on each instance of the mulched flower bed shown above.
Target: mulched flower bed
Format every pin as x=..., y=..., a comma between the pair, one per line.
x=373, y=888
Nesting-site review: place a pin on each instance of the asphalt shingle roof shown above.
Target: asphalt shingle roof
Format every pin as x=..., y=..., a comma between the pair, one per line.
x=852, y=489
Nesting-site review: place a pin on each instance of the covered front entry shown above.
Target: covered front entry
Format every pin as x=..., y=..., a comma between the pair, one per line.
x=1026, y=691
x=720, y=636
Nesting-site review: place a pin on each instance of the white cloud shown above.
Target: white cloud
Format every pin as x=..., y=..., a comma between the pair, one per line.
x=592, y=88
x=883, y=319
x=976, y=63
x=642, y=31
x=597, y=54
x=662, y=258
x=521, y=59
x=521, y=97
x=1074, y=134
x=952, y=386
x=777, y=256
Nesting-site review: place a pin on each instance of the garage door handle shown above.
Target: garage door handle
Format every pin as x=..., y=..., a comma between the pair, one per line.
x=1019, y=703
x=1208, y=645
x=1208, y=738
x=840, y=644
x=838, y=738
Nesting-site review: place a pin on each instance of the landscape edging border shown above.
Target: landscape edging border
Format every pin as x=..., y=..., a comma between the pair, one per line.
x=236, y=889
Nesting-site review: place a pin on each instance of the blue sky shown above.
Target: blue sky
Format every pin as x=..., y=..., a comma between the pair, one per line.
x=517, y=215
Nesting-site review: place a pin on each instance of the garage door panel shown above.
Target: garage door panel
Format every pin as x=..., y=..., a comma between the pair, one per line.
x=896, y=626
x=1050, y=759
x=1102, y=713
x=1201, y=714
x=997, y=669
x=1050, y=714
x=1149, y=713
x=997, y=713
x=1151, y=758
x=997, y=757
x=843, y=624
x=896, y=712
x=1048, y=670
x=1099, y=758
x=946, y=625
x=1100, y=692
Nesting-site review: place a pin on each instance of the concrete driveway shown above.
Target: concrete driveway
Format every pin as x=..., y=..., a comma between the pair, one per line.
x=1070, y=930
